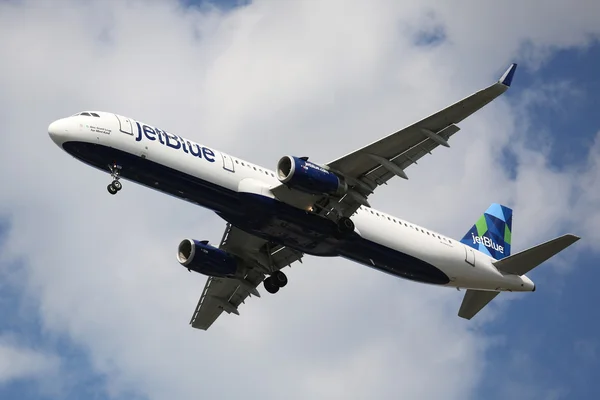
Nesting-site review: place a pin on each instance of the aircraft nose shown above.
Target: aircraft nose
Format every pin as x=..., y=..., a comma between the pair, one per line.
x=57, y=130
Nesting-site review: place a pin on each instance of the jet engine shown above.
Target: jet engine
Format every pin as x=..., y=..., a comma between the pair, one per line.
x=308, y=177
x=205, y=259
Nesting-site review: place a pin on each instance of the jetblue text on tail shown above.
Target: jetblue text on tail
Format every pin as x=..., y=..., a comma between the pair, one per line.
x=487, y=242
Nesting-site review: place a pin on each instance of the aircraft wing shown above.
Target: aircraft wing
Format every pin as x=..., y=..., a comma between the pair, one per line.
x=226, y=294
x=373, y=165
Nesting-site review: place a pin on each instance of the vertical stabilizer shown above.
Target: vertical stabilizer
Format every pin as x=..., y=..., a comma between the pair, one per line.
x=491, y=234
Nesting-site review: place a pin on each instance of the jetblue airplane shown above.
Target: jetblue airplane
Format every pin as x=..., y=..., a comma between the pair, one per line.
x=275, y=217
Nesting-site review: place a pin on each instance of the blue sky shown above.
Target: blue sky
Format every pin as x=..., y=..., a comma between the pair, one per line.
x=555, y=330
x=574, y=126
x=546, y=344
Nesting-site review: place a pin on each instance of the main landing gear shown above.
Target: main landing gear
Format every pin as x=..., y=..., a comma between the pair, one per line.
x=274, y=282
x=345, y=226
x=115, y=186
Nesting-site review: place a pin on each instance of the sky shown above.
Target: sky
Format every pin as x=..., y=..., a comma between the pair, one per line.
x=93, y=302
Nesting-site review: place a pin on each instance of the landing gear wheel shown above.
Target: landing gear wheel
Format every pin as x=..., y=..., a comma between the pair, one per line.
x=115, y=171
x=345, y=225
x=111, y=189
x=270, y=286
x=279, y=279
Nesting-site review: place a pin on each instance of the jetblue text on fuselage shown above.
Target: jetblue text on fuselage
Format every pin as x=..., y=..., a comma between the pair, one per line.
x=174, y=142
x=487, y=242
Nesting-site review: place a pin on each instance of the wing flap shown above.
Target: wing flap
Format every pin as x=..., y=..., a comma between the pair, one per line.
x=404, y=160
x=206, y=313
x=227, y=294
x=418, y=139
x=223, y=294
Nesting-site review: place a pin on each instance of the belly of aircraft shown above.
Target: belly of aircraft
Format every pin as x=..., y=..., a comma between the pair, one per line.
x=319, y=241
x=313, y=240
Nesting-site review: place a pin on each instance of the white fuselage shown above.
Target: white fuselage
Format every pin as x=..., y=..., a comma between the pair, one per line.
x=204, y=176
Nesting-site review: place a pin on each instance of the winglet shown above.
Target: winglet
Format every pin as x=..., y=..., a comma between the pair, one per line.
x=507, y=78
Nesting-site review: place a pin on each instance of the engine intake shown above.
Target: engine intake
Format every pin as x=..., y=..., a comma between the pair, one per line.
x=309, y=177
x=205, y=259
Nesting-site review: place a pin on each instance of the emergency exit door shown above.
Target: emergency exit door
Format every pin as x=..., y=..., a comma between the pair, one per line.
x=227, y=162
x=470, y=255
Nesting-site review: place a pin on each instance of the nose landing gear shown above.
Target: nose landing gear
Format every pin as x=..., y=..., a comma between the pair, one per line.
x=115, y=186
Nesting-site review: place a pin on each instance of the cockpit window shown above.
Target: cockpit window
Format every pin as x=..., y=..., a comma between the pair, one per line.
x=87, y=114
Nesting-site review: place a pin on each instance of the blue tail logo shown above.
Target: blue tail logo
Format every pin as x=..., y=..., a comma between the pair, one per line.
x=492, y=232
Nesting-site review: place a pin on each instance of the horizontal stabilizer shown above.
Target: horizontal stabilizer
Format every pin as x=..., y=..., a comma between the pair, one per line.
x=474, y=301
x=526, y=260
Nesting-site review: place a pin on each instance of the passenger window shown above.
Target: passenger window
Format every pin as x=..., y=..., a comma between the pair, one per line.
x=237, y=162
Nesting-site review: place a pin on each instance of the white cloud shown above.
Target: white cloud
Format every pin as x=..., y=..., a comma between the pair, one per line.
x=262, y=81
x=21, y=362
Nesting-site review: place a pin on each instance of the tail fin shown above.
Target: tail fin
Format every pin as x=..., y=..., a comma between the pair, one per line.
x=517, y=264
x=491, y=234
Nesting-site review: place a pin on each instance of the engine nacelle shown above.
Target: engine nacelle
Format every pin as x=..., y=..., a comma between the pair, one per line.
x=205, y=259
x=309, y=177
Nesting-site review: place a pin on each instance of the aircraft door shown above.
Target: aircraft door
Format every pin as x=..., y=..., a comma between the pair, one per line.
x=125, y=125
x=470, y=255
x=227, y=162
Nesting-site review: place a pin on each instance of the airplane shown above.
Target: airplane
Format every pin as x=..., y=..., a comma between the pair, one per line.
x=274, y=218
